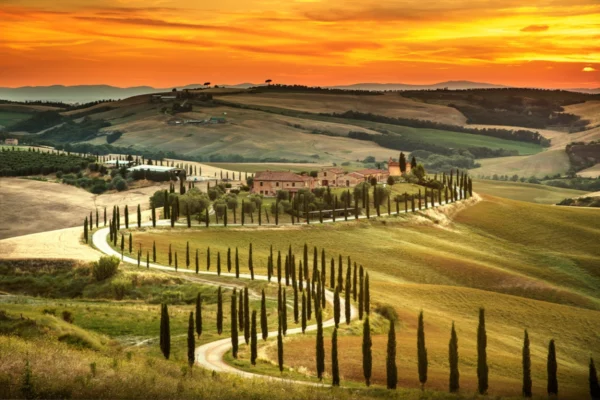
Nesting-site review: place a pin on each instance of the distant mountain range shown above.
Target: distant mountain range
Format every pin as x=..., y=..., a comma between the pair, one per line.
x=88, y=93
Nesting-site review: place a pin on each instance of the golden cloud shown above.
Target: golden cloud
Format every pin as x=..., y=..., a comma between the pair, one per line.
x=589, y=69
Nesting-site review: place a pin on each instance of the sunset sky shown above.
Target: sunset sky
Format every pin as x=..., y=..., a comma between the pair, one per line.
x=164, y=43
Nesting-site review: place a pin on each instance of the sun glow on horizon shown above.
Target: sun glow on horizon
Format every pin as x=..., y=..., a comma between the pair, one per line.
x=304, y=42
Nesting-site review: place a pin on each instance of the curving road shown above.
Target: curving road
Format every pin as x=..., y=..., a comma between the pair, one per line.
x=210, y=355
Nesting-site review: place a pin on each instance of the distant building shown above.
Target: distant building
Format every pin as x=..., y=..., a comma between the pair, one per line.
x=12, y=142
x=268, y=183
x=118, y=163
x=329, y=176
x=394, y=167
x=380, y=174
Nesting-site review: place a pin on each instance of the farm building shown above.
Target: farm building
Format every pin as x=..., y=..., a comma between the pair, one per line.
x=394, y=168
x=157, y=173
x=117, y=163
x=329, y=176
x=12, y=142
x=268, y=183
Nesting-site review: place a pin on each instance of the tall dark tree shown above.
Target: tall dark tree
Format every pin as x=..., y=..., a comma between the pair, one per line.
x=413, y=163
x=199, y=314
x=348, y=291
x=208, y=259
x=126, y=217
x=367, y=299
x=303, y=312
x=219, y=311
x=593, y=380
x=552, y=366
x=366, y=352
x=280, y=344
x=253, y=339
x=402, y=162
x=263, y=316
x=284, y=312
x=526, y=367
x=139, y=217
x=191, y=341
x=320, y=345
x=296, y=307
x=246, y=315
x=250, y=264
x=165, y=332
x=354, y=282
x=422, y=352
x=335, y=366
x=219, y=263
x=336, y=307
x=187, y=254
x=197, y=262
x=391, y=368
x=482, y=367
x=453, y=359
x=361, y=293
x=154, y=251
x=237, y=263
x=332, y=274
x=130, y=243
x=85, y=230
x=241, y=311
x=153, y=216
x=234, y=324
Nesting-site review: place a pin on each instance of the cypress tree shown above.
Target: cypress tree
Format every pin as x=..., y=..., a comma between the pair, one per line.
x=323, y=266
x=122, y=243
x=246, y=315
x=366, y=352
x=166, y=206
x=354, y=279
x=315, y=263
x=173, y=215
x=130, y=243
x=332, y=274
x=367, y=300
x=301, y=277
x=187, y=254
x=196, y=261
x=482, y=367
x=199, y=314
x=391, y=368
x=303, y=312
x=551, y=366
x=278, y=266
x=284, y=309
x=85, y=229
x=336, y=307
x=296, y=310
x=234, y=325
x=208, y=259
x=280, y=345
x=91, y=221
x=422, y=352
x=241, y=311
x=347, y=298
x=176, y=265
x=165, y=332
x=170, y=255
x=139, y=217
x=191, y=341
x=153, y=216
x=229, y=259
x=309, y=304
x=219, y=263
x=453, y=359
x=263, y=316
x=253, y=339
x=237, y=263
x=526, y=367
x=593, y=379
x=320, y=345
x=335, y=367
x=361, y=293
x=305, y=260
x=147, y=260
x=126, y=217
x=154, y=251
x=340, y=273
x=219, y=311
x=118, y=219
x=97, y=218
x=105, y=216
x=250, y=265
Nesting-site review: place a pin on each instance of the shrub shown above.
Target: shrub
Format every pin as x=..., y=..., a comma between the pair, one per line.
x=105, y=267
x=119, y=184
x=387, y=311
x=68, y=316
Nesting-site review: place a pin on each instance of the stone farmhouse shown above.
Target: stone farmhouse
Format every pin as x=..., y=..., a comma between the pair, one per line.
x=394, y=167
x=268, y=183
x=337, y=177
x=12, y=142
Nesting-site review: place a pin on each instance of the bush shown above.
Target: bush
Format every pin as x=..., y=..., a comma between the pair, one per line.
x=68, y=316
x=105, y=267
x=119, y=184
x=387, y=311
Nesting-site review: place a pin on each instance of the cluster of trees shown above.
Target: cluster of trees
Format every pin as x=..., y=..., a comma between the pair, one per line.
x=38, y=121
x=311, y=89
x=32, y=162
x=71, y=131
x=520, y=135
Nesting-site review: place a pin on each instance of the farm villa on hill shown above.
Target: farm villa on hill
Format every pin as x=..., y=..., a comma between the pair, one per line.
x=268, y=183
x=12, y=142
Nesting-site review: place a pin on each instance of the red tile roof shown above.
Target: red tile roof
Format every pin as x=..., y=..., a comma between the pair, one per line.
x=370, y=171
x=281, y=176
x=335, y=170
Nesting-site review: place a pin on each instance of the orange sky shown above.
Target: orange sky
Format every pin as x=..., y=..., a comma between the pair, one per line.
x=163, y=43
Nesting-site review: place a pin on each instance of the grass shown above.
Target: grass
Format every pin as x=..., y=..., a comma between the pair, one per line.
x=549, y=162
x=529, y=192
x=8, y=118
x=531, y=266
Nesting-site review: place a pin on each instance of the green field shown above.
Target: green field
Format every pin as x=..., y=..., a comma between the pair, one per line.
x=500, y=254
x=8, y=118
x=529, y=192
